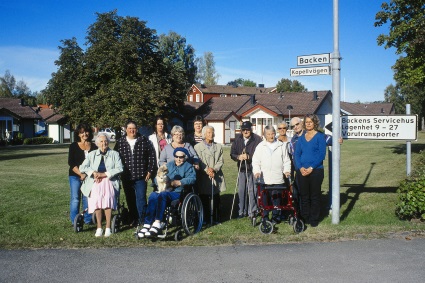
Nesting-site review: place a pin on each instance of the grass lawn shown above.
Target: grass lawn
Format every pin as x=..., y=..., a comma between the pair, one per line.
x=34, y=197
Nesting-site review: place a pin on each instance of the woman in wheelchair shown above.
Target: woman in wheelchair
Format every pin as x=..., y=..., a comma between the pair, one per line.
x=181, y=173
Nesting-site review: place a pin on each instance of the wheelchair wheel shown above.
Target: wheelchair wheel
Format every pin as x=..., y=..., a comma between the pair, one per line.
x=178, y=236
x=93, y=218
x=192, y=214
x=115, y=224
x=266, y=227
x=298, y=225
x=78, y=223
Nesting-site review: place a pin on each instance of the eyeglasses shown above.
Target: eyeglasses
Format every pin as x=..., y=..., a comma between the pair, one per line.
x=295, y=124
x=283, y=128
x=160, y=124
x=178, y=134
x=179, y=156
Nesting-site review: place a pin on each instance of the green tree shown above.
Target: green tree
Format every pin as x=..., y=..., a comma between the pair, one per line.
x=392, y=94
x=287, y=85
x=207, y=73
x=126, y=72
x=242, y=82
x=10, y=88
x=406, y=20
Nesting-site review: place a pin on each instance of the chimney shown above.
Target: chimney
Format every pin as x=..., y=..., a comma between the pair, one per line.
x=22, y=102
x=382, y=110
x=252, y=99
x=315, y=97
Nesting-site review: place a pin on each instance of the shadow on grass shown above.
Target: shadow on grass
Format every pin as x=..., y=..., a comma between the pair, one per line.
x=353, y=192
x=401, y=149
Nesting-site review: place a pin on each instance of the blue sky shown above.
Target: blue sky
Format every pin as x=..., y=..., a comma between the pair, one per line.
x=251, y=39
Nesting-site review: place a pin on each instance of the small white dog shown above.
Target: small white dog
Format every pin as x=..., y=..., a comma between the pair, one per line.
x=162, y=179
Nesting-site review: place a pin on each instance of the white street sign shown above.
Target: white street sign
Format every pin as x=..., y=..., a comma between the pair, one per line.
x=312, y=71
x=315, y=59
x=394, y=127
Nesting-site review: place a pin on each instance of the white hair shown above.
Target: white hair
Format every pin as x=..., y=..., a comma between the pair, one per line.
x=97, y=140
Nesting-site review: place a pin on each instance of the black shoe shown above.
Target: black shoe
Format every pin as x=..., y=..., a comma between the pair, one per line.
x=241, y=216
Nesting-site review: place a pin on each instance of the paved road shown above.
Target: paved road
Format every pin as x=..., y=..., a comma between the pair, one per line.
x=387, y=260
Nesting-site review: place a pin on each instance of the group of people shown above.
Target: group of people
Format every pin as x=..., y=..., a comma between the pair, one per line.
x=272, y=159
x=95, y=170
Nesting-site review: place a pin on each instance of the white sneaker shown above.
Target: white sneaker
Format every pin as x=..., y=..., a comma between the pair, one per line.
x=108, y=232
x=99, y=232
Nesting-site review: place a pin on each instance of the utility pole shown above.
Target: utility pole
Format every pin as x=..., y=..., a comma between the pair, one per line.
x=336, y=110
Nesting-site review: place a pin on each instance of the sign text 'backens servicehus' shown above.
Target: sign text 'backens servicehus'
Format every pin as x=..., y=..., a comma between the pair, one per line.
x=394, y=127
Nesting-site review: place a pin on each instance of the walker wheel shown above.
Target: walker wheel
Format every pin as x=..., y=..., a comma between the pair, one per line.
x=266, y=227
x=115, y=224
x=178, y=236
x=254, y=221
x=298, y=226
x=78, y=223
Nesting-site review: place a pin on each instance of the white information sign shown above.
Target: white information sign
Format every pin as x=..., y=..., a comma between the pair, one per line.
x=315, y=59
x=312, y=71
x=394, y=127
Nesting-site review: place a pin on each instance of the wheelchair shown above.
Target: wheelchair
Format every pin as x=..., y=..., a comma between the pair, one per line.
x=265, y=202
x=183, y=215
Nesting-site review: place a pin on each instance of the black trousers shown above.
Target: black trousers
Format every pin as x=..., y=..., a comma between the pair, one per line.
x=310, y=193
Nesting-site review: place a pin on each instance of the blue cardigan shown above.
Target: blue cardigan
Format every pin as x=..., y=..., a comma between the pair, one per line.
x=310, y=153
x=184, y=173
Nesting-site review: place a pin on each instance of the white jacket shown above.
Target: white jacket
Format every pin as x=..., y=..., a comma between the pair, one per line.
x=271, y=165
x=154, y=141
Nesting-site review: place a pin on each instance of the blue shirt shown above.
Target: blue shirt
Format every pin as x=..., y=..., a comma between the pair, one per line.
x=310, y=153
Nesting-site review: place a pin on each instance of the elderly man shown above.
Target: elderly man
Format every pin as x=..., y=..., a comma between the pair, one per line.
x=242, y=150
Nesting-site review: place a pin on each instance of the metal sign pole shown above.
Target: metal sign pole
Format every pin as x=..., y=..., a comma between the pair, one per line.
x=335, y=117
x=408, y=148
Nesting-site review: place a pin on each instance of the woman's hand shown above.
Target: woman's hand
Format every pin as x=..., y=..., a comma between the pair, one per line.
x=210, y=172
x=306, y=171
x=98, y=176
x=257, y=175
x=83, y=176
x=148, y=176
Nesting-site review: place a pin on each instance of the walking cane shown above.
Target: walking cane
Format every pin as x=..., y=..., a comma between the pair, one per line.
x=234, y=195
x=212, y=201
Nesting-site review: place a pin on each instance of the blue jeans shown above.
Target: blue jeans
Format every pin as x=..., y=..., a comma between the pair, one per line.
x=74, y=204
x=135, y=192
x=157, y=204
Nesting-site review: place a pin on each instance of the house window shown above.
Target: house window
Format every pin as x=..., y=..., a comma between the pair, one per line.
x=198, y=98
x=223, y=95
x=269, y=122
x=191, y=98
x=234, y=95
x=254, y=121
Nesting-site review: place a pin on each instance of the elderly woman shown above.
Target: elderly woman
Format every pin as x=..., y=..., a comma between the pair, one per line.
x=78, y=151
x=309, y=155
x=271, y=163
x=102, y=167
x=181, y=173
x=177, y=134
x=282, y=128
x=211, y=161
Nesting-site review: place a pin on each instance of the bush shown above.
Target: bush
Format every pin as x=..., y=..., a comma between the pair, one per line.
x=411, y=195
x=38, y=140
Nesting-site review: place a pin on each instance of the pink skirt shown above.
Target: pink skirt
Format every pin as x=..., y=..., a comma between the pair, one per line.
x=102, y=196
